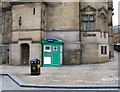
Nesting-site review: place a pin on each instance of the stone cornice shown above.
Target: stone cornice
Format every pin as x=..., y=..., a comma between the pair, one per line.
x=88, y=8
x=27, y=30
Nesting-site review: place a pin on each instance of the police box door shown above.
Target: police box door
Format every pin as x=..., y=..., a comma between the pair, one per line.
x=47, y=55
x=56, y=55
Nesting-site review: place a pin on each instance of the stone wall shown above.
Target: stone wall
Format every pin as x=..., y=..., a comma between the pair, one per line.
x=30, y=14
x=71, y=45
x=100, y=37
x=91, y=47
x=61, y=20
x=5, y=30
x=29, y=29
x=15, y=52
x=101, y=8
x=63, y=23
x=0, y=22
x=62, y=16
x=7, y=26
x=35, y=35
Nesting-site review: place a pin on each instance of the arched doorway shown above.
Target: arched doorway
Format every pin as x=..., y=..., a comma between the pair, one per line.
x=25, y=54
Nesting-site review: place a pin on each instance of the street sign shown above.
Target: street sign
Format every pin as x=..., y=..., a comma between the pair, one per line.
x=89, y=35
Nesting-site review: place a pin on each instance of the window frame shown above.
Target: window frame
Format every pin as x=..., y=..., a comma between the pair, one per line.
x=34, y=11
x=101, y=35
x=103, y=50
x=20, y=21
x=47, y=50
x=104, y=34
x=88, y=22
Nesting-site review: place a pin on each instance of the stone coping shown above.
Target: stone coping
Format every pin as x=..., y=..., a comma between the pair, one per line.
x=22, y=84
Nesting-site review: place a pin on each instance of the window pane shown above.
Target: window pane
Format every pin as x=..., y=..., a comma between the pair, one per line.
x=20, y=21
x=47, y=47
x=101, y=34
x=33, y=11
x=86, y=18
x=44, y=13
x=55, y=48
x=101, y=49
x=104, y=35
x=92, y=18
x=91, y=26
x=85, y=24
x=105, y=50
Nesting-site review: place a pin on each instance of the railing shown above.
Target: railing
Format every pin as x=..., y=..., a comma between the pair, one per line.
x=4, y=54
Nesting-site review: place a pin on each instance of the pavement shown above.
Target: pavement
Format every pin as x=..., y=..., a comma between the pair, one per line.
x=85, y=74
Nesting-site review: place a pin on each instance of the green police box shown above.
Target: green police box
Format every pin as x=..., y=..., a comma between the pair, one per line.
x=52, y=52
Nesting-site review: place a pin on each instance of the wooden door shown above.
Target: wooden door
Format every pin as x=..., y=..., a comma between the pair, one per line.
x=25, y=54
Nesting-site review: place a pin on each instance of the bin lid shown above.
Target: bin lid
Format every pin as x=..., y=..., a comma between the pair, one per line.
x=52, y=40
x=35, y=60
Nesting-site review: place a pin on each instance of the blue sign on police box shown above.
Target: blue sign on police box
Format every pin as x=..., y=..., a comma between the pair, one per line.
x=50, y=40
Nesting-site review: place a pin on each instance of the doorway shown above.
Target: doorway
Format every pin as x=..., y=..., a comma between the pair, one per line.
x=25, y=54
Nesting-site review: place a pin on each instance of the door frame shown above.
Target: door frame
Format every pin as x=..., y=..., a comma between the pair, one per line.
x=21, y=60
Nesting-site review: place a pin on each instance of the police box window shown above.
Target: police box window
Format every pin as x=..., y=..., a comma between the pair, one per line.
x=55, y=48
x=47, y=48
x=104, y=50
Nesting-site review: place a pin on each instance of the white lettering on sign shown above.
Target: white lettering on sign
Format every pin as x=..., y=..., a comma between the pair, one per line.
x=47, y=60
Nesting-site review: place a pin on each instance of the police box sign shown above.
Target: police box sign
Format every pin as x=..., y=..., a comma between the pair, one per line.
x=50, y=40
x=89, y=35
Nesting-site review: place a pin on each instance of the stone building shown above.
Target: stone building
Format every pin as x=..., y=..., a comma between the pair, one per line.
x=97, y=21
x=28, y=30
x=0, y=32
x=84, y=27
x=5, y=30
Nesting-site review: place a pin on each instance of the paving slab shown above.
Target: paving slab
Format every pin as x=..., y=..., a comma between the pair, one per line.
x=85, y=74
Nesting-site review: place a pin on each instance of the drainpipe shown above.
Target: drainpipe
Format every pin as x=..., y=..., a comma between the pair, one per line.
x=79, y=24
x=1, y=60
x=80, y=36
x=41, y=24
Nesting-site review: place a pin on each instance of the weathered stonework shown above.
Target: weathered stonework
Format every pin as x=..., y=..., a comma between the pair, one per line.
x=61, y=16
x=5, y=30
x=72, y=57
x=34, y=22
x=27, y=28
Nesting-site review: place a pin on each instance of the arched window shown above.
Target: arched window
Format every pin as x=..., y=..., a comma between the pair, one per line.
x=103, y=22
x=102, y=16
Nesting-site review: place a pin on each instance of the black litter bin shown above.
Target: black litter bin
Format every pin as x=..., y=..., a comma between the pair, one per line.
x=35, y=67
